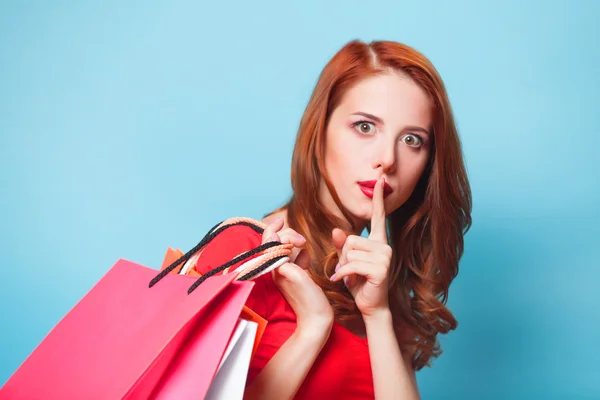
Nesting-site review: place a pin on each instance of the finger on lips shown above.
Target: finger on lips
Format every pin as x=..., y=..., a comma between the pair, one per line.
x=378, y=229
x=355, y=253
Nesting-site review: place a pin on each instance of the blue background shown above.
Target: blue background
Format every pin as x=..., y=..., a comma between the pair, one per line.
x=127, y=127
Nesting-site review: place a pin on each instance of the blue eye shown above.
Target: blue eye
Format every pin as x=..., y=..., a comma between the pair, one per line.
x=412, y=140
x=365, y=127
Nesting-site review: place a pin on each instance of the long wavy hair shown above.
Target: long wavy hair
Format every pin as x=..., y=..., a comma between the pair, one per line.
x=426, y=233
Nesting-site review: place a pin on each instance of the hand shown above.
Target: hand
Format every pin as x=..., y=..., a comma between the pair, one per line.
x=313, y=312
x=364, y=262
x=275, y=232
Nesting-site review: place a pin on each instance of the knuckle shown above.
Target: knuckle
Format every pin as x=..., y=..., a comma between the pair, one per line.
x=387, y=251
x=346, y=269
x=351, y=255
x=386, y=262
x=351, y=240
x=290, y=235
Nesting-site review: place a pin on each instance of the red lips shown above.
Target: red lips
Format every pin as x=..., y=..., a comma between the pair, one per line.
x=367, y=188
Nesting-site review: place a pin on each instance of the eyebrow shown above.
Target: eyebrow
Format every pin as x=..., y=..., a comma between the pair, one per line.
x=380, y=121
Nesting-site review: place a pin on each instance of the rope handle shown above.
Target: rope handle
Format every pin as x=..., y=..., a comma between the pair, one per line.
x=272, y=255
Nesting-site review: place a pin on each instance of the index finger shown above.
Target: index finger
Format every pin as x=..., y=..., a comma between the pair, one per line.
x=378, y=228
x=271, y=229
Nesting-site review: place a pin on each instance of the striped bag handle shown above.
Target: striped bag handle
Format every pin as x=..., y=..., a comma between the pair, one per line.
x=272, y=255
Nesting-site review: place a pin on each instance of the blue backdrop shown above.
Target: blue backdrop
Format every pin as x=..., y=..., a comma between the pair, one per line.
x=127, y=127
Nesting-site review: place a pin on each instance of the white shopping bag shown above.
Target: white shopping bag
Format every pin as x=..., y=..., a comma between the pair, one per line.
x=230, y=380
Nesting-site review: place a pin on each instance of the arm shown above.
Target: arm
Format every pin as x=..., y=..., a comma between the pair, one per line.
x=393, y=375
x=370, y=258
x=284, y=373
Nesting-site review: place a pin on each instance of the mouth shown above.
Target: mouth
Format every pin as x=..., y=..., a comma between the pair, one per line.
x=368, y=188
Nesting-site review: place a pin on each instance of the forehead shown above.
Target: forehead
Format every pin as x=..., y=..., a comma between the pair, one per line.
x=392, y=96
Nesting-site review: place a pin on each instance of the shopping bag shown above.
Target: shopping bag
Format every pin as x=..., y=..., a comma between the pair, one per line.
x=126, y=337
x=191, y=373
x=118, y=340
x=172, y=255
x=230, y=381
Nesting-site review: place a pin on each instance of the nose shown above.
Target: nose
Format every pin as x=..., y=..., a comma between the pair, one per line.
x=385, y=157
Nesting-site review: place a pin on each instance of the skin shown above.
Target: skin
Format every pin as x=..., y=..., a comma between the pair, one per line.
x=393, y=147
x=373, y=149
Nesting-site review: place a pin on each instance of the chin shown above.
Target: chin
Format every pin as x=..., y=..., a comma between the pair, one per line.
x=360, y=213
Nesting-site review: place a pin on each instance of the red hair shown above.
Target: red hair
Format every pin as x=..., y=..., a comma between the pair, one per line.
x=426, y=233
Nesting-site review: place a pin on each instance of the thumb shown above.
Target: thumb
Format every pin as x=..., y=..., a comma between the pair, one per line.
x=339, y=239
x=303, y=259
x=287, y=272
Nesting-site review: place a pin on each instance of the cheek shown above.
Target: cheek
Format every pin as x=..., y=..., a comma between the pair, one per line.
x=411, y=173
x=333, y=162
x=338, y=156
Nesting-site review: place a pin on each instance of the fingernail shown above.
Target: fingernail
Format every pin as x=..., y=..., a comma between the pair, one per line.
x=332, y=277
x=301, y=237
x=337, y=267
x=278, y=220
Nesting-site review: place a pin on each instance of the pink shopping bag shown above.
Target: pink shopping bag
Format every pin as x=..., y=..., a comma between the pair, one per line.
x=119, y=340
x=191, y=373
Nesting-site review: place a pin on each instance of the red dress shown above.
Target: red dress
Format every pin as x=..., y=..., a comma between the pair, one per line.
x=342, y=369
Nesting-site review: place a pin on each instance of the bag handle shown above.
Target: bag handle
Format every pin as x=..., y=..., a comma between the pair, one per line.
x=274, y=254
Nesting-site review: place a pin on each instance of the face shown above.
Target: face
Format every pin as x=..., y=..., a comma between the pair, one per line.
x=382, y=127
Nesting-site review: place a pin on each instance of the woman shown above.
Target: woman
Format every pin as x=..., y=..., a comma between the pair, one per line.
x=356, y=316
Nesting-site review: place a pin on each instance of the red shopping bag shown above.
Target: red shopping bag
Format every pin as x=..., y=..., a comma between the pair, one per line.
x=126, y=338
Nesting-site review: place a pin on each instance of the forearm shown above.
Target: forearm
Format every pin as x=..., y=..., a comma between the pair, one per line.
x=284, y=373
x=392, y=377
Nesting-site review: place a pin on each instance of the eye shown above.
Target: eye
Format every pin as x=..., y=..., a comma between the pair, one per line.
x=412, y=140
x=365, y=127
